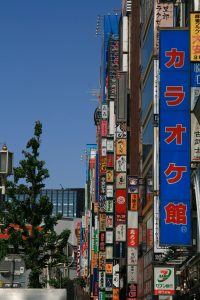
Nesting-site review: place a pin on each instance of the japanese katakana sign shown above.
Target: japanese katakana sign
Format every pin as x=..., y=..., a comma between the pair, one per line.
x=174, y=138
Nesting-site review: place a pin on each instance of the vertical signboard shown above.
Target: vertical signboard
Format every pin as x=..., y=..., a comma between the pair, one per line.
x=164, y=281
x=195, y=83
x=163, y=17
x=174, y=138
x=194, y=36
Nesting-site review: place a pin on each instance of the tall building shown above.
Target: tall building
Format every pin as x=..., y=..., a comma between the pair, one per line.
x=144, y=185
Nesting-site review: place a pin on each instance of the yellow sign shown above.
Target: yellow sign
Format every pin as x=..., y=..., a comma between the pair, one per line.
x=195, y=36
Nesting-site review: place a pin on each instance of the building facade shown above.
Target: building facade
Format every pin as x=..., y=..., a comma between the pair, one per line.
x=141, y=230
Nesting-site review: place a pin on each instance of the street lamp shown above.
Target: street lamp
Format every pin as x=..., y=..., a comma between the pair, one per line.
x=6, y=167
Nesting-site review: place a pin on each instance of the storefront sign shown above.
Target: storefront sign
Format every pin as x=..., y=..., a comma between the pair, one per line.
x=175, y=216
x=132, y=239
x=164, y=281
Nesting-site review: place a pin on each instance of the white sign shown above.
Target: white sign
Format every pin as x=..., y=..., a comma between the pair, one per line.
x=109, y=191
x=116, y=275
x=102, y=279
x=121, y=233
x=132, y=274
x=195, y=139
x=109, y=252
x=164, y=281
x=132, y=255
x=109, y=237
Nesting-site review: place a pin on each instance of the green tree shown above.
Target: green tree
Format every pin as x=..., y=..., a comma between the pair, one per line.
x=30, y=222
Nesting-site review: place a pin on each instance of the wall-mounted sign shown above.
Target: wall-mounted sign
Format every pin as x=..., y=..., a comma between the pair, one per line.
x=109, y=191
x=116, y=274
x=120, y=180
x=109, y=237
x=164, y=281
x=102, y=183
x=121, y=202
x=121, y=146
x=110, y=145
x=109, y=205
x=102, y=241
x=110, y=160
x=194, y=37
x=132, y=291
x=174, y=138
x=109, y=221
x=109, y=284
x=109, y=252
x=102, y=260
x=133, y=186
x=132, y=238
x=121, y=132
x=102, y=222
x=102, y=279
x=104, y=111
x=133, y=202
x=102, y=203
x=121, y=164
x=132, y=256
x=120, y=233
x=109, y=175
x=109, y=268
x=132, y=274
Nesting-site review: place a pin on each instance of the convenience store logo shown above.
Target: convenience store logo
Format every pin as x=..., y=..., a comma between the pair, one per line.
x=164, y=275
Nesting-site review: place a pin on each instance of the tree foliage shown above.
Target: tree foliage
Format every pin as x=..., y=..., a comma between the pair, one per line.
x=29, y=222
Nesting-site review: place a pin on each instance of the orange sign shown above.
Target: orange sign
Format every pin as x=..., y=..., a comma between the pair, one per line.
x=109, y=268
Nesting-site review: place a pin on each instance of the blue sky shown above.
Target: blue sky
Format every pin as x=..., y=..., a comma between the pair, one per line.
x=49, y=63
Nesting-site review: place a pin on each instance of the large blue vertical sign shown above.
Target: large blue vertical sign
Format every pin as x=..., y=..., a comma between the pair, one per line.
x=175, y=218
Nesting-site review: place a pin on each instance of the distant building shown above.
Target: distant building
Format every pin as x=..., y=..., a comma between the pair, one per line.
x=68, y=202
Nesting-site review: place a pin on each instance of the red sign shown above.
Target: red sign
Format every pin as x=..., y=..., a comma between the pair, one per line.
x=110, y=160
x=104, y=128
x=121, y=202
x=132, y=237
